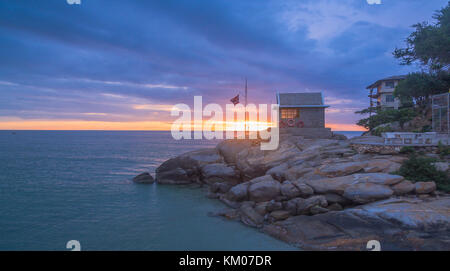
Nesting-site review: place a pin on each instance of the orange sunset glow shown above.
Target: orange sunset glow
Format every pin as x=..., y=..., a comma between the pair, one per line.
x=140, y=125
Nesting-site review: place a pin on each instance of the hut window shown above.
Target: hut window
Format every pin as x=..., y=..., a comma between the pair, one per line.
x=289, y=113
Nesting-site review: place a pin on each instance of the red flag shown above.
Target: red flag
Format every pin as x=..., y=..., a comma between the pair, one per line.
x=235, y=100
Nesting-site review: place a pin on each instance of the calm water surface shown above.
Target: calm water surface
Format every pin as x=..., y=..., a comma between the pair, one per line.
x=58, y=186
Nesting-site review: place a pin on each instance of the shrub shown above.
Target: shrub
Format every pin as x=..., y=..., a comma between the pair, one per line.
x=421, y=169
x=407, y=150
x=444, y=150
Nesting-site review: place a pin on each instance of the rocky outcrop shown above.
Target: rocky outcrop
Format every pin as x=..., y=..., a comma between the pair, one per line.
x=185, y=168
x=144, y=178
x=322, y=183
x=398, y=224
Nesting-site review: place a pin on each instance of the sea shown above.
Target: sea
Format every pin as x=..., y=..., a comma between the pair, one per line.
x=58, y=186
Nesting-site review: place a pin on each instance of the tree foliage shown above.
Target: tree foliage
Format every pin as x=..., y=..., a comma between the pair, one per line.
x=386, y=116
x=429, y=44
x=419, y=86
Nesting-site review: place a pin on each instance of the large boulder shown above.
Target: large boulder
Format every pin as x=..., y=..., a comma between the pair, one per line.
x=253, y=162
x=263, y=189
x=213, y=173
x=144, y=178
x=367, y=192
x=403, y=187
x=185, y=168
x=230, y=148
x=425, y=187
x=340, y=169
x=238, y=192
x=381, y=165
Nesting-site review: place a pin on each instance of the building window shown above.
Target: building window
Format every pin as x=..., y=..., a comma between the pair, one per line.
x=289, y=113
x=389, y=84
x=389, y=98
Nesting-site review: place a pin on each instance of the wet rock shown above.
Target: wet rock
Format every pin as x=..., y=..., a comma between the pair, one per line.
x=261, y=208
x=185, y=168
x=249, y=216
x=425, y=187
x=144, y=178
x=220, y=187
x=404, y=187
x=238, y=192
x=263, y=189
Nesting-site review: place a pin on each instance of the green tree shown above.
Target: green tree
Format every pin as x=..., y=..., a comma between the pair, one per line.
x=420, y=86
x=429, y=44
x=386, y=116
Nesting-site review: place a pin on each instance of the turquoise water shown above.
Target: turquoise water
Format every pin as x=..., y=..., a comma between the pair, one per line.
x=58, y=186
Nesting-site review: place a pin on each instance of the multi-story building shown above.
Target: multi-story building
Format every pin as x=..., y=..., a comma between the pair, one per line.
x=383, y=92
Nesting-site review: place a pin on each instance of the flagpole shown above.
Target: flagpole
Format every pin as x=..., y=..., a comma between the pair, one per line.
x=245, y=128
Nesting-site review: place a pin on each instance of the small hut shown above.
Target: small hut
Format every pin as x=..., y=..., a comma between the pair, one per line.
x=303, y=114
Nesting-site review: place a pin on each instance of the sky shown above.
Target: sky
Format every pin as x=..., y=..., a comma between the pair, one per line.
x=122, y=65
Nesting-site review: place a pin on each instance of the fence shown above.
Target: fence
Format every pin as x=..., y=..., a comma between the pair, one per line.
x=440, y=106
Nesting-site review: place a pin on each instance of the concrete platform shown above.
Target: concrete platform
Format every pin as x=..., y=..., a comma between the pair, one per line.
x=308, y=132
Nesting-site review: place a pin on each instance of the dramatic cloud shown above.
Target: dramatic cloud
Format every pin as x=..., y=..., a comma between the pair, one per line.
x=129, y=61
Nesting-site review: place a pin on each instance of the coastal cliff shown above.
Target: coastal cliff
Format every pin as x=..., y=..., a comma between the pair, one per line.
x=318, y=193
